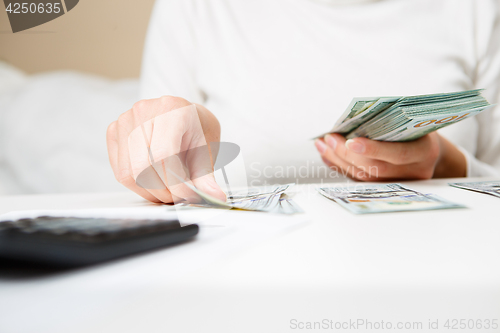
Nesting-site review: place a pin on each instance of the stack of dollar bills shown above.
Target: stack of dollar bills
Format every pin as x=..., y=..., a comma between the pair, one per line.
x=407, y=118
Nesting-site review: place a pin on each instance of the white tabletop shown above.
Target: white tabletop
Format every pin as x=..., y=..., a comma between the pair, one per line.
x=256, y=272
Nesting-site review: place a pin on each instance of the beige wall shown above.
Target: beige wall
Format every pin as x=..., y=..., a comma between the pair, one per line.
x=98, y=36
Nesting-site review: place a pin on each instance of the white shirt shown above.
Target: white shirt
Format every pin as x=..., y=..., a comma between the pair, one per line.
x=276, y=73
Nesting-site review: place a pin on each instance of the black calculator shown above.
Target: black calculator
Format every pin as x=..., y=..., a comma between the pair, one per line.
x=73, y=241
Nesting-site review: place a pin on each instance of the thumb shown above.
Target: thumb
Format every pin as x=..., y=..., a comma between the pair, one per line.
x=208, y=185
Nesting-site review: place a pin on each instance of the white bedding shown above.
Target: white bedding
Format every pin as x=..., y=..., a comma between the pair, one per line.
x=52, y=130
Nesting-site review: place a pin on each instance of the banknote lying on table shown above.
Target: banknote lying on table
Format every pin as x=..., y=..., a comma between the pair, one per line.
x=364, y=199
x=407, y=118
x=490, y=187
x=271, y=199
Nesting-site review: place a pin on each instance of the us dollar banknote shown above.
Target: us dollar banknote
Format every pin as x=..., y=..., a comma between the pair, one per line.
x=366, y=199
x=270, y=199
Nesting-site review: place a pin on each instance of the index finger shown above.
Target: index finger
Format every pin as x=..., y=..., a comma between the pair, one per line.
x=123, y=177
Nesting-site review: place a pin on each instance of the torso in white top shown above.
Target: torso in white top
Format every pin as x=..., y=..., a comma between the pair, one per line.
x=277, y=73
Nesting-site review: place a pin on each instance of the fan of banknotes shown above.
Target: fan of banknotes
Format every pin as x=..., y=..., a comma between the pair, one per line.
x=271, y=199
x=407, y=118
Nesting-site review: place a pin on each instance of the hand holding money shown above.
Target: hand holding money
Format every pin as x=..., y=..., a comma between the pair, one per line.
x=369, y=160
x=394, y=138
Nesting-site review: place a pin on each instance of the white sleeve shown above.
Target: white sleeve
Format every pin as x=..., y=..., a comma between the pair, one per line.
x=169, y=59
x=476, y=168
x=486, y=161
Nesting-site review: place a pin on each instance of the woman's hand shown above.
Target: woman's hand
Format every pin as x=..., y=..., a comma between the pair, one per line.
x=430, y=156
x=157, y=136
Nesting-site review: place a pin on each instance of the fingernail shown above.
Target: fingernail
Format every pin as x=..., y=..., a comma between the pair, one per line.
x=320, y=146
x=355, y=146
x=331, y=141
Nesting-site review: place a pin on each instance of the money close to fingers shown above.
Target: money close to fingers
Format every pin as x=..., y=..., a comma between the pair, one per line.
x=267, y=199
x=161, y=134
x=407, y=118
x=273, y=200
x=394, y=138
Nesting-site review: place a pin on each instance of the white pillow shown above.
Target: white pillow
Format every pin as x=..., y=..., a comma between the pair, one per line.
x=54, y=131
x=11, y=79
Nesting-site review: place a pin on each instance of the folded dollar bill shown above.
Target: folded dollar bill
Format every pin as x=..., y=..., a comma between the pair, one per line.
x=407, y=118
x=490, y=187
x=268, y=199
x=364, y=199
